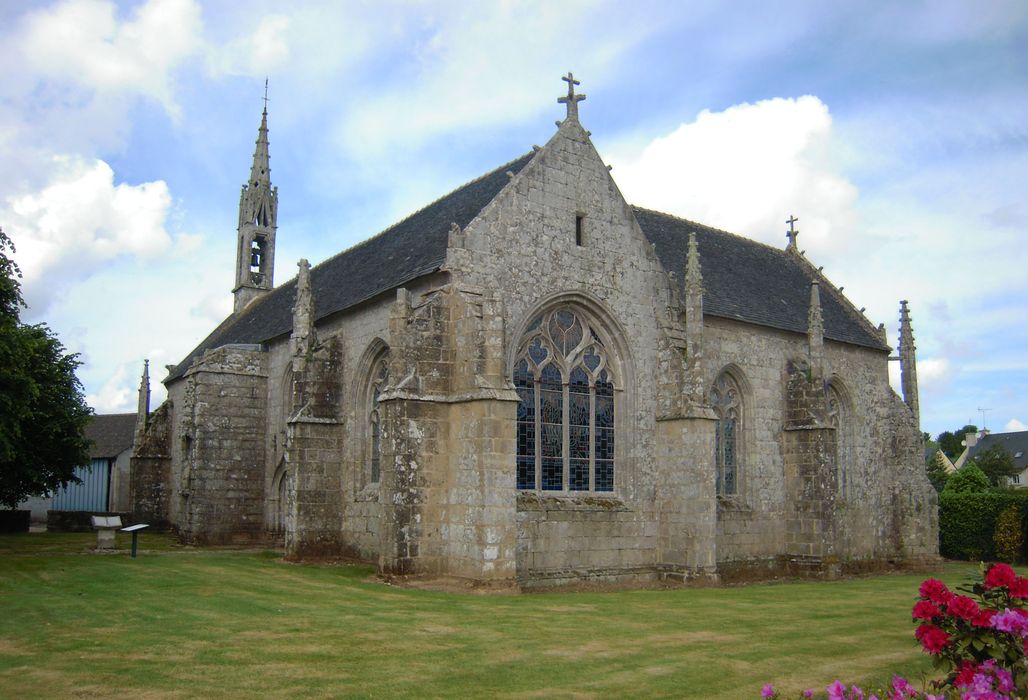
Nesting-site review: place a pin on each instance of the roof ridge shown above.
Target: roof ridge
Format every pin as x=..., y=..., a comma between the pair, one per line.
x=416, y=212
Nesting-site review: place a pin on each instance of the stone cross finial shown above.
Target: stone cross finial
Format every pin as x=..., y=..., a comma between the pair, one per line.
x=572, y=99
x=792, y=233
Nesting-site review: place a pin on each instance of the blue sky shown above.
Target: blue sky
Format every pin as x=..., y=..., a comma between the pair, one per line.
x=896, y=132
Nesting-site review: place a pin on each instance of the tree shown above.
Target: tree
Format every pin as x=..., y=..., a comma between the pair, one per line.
x=43, y=414
x=937, y=472
x=968, y=479
x=997, y=464
x=953, y=443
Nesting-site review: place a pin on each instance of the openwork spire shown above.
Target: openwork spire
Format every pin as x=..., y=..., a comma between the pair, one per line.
x=572, y=99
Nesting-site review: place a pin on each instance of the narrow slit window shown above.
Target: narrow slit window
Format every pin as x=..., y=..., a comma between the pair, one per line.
x=579, y=229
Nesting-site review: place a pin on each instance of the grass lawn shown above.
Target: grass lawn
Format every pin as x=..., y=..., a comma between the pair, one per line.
x=179, y=622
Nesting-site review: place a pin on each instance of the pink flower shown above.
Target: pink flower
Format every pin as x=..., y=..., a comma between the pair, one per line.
x=935, y=590
x=1011, y=621
x=836, y=691
x=963, y=607
x=1019, y=588
x=808, y=693
x=999, y=575
x=925, y=610
x=768, y=691
x=984, y=618
x=933, y=639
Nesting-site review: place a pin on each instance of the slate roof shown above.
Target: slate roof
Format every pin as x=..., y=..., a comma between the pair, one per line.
x=742, y=279
x=405, y=251
x=753, y=282
x=1015, y=444
x=111, y=434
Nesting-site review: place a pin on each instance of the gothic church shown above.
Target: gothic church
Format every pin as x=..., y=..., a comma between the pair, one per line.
x=621, y=396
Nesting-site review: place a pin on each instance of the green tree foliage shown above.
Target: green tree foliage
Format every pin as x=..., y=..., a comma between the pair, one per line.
x=968, y=522
x=952, y=443
x=42, y=411
x=937, y=472
x=997, y=464
x=968, y=479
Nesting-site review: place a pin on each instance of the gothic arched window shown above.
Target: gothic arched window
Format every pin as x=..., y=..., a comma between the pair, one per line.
x=726, y=400
x=565, y=430
x=379, y=379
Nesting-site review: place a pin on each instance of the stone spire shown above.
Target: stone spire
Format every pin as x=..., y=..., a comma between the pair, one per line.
x=908, y=363
x=792, y=234
x=143, y=405
x=816, y=332
x=572, y=99
x=303, y=338
x=694, y=321
x=258, y=214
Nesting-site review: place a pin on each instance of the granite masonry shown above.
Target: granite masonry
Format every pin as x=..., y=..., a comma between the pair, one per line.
x=531, y=382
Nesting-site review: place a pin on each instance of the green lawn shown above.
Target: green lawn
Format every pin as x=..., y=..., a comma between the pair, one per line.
x=180, y=622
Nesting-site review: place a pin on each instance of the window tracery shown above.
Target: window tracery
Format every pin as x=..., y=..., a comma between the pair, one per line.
x=565, y=419
x=725, y=399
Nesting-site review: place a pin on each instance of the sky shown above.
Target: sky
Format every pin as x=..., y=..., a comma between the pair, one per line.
x=896, y=132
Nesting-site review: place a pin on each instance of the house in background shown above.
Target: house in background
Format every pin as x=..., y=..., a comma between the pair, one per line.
x=1014, y=443
x=105, y=480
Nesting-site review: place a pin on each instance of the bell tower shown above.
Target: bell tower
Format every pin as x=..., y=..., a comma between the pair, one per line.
x=258, y=214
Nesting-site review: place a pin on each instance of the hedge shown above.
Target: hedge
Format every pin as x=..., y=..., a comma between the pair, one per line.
x=967, y=523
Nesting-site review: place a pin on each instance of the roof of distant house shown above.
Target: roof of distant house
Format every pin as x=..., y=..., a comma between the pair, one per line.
x=742, y=279
x=111, y=434
x=1014, y=443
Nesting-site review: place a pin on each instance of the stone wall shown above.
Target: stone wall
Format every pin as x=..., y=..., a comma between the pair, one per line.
x=150, y=471
x=221, y=432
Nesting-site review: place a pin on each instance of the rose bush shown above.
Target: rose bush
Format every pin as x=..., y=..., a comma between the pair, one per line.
x=978, y=637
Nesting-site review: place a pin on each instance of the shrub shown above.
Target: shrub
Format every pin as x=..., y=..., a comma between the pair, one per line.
x=969, y=479
x=967, y=522
x=1008, y=536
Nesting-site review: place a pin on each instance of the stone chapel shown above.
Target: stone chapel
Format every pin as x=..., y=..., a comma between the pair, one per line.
x=622, y=396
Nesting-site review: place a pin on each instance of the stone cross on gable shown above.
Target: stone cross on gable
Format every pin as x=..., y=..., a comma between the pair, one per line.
x=792, y=233
x=572, y=99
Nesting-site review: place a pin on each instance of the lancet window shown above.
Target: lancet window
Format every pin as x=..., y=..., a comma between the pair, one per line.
x=838, y=419
x=726, y=400
x=565, y=429
x=379, y=379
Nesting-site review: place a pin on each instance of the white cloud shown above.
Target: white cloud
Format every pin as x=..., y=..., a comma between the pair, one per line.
x=1014, y=426
x=116, y=394
x=933, y=374
x=745, y=170
x=80, y=221
x=83, y=42
x=256, y=54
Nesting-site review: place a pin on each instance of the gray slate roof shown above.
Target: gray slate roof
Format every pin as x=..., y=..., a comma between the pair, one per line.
x=753, y=282
x=742, y=279
x=405, y=251
x=1013, y=442
x=111, y=434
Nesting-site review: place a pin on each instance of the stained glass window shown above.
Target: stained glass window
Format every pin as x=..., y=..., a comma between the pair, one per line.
x=727, y=405
x=565, y=430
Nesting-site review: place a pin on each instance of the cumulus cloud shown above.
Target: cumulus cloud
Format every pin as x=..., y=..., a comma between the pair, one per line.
x=1014, y=426
x=78, y=222
x=745, y=169
x=83, y=42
